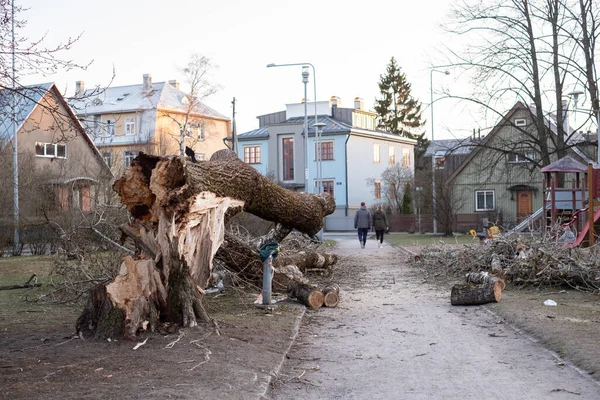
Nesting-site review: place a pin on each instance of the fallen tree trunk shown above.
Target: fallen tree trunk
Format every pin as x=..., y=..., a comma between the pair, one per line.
x=466, y=294
x=307, y=295
x=331, y=295
x=26, y=285
x=180, y=210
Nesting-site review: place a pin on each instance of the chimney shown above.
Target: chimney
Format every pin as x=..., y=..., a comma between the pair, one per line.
x=79, y=88
x=358, y=103
x=147, y=82
x=335, y=101
x=174, y=83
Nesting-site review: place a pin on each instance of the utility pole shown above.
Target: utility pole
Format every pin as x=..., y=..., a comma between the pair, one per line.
x=233, y=129
x=15, y=147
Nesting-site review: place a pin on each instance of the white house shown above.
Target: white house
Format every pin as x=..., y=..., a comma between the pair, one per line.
x=353, y=152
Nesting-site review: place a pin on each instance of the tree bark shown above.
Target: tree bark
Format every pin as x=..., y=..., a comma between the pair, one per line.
x=470, y=294
x=307, y=295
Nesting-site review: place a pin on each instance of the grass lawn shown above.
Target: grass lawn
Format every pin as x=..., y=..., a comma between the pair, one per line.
x=16, y=312
x=403, y=239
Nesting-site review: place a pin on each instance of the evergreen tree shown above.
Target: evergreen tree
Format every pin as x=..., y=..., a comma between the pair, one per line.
x=398, y=112
x=406, y=200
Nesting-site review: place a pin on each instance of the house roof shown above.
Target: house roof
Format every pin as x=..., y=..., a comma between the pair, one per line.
x=28, y=99
x=25, y=101
x=518, y=106
x=331, y=127
x=452, y=146
x=565, y=164
x=118, y=99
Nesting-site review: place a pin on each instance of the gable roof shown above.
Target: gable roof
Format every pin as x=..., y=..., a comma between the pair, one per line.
x=518, y=106
x=28, y=98
x=118, y=99
x=452, y=146
x=332, y=127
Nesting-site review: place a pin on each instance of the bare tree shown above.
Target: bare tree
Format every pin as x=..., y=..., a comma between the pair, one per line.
x=393, y=181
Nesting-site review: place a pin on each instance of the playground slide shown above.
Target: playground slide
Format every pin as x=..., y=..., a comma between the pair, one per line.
x=585, y=229
x=525, y=223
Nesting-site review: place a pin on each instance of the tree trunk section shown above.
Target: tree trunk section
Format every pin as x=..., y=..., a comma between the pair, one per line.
x=307, y=295
x=331, y=295
x=466, y=294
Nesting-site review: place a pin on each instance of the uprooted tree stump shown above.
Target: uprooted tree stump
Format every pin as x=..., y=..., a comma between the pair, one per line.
x=466, y=294
x=179, y=210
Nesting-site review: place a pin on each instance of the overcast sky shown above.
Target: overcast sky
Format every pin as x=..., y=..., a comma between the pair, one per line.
x=349, y=43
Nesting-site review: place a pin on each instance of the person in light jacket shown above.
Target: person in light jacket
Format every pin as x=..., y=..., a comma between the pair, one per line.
x=380, y=224
x=362, y=222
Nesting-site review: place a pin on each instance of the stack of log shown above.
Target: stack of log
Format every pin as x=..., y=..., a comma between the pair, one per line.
x=313, y=297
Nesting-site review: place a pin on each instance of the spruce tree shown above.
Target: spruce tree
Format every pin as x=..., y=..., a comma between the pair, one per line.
x=398, y=112
x=407, y=200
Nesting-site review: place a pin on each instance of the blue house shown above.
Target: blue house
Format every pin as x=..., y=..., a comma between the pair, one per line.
x=354, y=154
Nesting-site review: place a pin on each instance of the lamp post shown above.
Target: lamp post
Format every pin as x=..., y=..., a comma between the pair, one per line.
x=433, y=156
x=305, y=64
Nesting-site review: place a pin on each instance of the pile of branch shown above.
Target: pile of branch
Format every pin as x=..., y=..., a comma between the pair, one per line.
x=519, y=260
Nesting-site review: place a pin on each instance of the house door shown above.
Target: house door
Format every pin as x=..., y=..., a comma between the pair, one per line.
x=523, y=204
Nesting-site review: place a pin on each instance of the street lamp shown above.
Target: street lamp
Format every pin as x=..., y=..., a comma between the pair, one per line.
x=15, y=140
x=318, y=131
x=433, y=156
x=305, y=64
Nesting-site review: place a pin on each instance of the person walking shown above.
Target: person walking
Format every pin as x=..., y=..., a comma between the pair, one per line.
x=362, y=222
x=380, y=224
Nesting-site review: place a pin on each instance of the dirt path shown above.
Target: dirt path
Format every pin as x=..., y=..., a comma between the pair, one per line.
x=395, y=337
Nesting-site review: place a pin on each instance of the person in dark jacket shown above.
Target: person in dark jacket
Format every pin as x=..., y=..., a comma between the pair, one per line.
x=380, y=224
x=362, y=222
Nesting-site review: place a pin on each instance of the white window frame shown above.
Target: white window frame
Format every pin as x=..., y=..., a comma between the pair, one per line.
x=376, y=153
x=128, y=156
x=520, y=122
x=107, y=156
x=50, y=150
x=392, y=155
x=129, y=125
x=485, y=194
x=109, y=127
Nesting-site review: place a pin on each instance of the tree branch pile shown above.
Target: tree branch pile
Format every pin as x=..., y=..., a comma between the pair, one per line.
x=520, y=260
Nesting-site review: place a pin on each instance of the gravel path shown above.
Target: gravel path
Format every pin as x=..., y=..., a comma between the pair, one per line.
x=395, y=337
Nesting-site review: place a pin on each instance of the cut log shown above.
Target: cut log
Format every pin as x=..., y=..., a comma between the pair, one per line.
x=331, y=295
x=26, y=285
x=483, y=277
x=307, y=295
x=466, y=294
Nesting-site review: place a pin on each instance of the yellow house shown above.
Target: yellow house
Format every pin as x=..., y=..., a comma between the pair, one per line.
x=149, y=117
x=60, y=168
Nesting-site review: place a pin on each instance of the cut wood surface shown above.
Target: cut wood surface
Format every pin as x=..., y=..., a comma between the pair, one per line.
x=464, y=294
x=331, y=295
x=307, y=295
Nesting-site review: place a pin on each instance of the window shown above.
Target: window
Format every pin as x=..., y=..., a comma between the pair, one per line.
x=327, y=185
x=128, y=157
x=392, y=191
x=484, y=200
x=326, y=151
x=107, y=156
x=376, y=153
x=405, y=157
x=109, y=128
x=252, y=154
x=377, y=190
x=392, y=155
x=520, y=157
x=130, y=125
x=199, y=131
x=288, y=159
x=520, y=122
x=51, y=150
x=439, y=162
